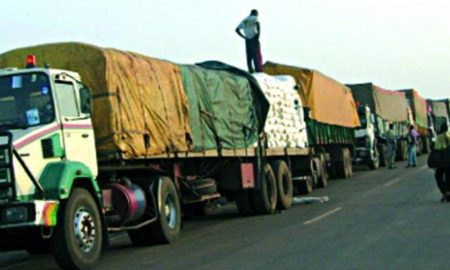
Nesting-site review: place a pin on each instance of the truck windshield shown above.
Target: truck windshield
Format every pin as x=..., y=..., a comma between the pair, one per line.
x=363, y=120
x=25, y=100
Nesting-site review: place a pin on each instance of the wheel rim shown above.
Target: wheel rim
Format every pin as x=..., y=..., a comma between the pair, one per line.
x=84, y=228
x=170, y=210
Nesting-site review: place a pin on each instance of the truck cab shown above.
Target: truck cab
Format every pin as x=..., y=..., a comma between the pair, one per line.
x=47, y=147
x=366, y=146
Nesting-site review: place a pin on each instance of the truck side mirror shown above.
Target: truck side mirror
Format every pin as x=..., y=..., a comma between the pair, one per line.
x=85, y=100
x=372, y=118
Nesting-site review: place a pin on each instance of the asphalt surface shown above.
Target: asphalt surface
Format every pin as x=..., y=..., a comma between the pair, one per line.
x=384, y=219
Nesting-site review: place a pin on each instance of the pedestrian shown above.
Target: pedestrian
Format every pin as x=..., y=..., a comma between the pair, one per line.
x=252, y=29
x=412, y=139
x=391, y=140
x=442, y=174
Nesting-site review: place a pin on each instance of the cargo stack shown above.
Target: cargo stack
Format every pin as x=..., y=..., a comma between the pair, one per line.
x=332, y=115
x=285, y=121
x=222, y=109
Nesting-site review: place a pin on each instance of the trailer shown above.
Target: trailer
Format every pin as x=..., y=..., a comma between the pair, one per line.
x=98, y=140
x=331, y=116
x=421, y=118
x=385, y=107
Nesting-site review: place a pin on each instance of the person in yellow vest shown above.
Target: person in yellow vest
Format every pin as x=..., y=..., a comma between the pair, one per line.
x=442, y=174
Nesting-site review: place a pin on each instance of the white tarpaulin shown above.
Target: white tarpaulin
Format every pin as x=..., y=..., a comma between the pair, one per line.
x=285, y=125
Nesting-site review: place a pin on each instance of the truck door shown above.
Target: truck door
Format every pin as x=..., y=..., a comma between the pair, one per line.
x=78, y=133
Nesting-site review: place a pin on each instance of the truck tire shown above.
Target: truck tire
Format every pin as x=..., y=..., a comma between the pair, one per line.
x=284, y=184
x=322, y=178
x=244, y=202
x=77, y=239
x=374, y=161
x=426, y=145
x=265, y=197
x=344, y=166
x=306, y=186
x=382, y=153
x=404, y=149
x=166, y=229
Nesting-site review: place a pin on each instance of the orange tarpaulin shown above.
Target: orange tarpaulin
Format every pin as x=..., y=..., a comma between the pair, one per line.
x=330, y=102
x=134, y=97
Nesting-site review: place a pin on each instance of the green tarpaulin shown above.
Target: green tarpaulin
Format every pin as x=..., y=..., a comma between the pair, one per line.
x=221, y=109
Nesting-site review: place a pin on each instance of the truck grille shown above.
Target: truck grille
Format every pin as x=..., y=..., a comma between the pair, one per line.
x=7, y=184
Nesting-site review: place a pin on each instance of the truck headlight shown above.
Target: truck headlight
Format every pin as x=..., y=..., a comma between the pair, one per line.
x=15, y=214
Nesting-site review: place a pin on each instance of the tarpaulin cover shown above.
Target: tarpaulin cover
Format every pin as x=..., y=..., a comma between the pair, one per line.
x=389, y=105
x=221, y=108
x=418, y=106
x=285, y=124
x=134, y=97
x=330, y=102
x=438, y=107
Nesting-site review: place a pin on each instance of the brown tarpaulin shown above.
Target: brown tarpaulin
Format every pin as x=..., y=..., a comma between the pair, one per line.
x=134, y=96
x=389, y=105
x=419, y=108
x=330, y=101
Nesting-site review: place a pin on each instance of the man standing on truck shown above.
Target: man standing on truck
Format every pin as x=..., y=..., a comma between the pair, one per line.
x=391, y=146
x=252, y=30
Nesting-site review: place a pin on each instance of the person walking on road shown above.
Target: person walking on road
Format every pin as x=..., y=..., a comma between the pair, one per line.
x=252, y=30
x=391, y=146
x=442, y=174
x=412, y=146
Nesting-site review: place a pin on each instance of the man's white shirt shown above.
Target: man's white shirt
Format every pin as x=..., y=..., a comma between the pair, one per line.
x=249, y=26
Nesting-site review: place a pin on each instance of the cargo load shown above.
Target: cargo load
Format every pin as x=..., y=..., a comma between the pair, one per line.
x=419, y=109
x=329, y=101
x=139, y=105
x=389, y=105
x=222, y=110
x=440, y=113
x=285, y=125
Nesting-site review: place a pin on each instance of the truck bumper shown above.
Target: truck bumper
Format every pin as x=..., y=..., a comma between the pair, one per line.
x=28, y=214
x=362, y=155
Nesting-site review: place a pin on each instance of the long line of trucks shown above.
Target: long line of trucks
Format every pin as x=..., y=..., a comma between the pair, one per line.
x=96, y=140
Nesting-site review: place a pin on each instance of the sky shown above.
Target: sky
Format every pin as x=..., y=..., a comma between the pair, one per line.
x=395, y=44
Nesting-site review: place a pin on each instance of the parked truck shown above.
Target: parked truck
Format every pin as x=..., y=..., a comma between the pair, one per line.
x=439, y=113
x=377, y=108
x=96, y=140
x=331, y=116
x=421, y=117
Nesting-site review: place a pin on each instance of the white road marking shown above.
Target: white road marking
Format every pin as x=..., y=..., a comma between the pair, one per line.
x=390, y=183
x=324, y=215
x=423, y=167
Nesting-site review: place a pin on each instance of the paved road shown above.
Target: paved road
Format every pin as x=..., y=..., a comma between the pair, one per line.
x=385, y=219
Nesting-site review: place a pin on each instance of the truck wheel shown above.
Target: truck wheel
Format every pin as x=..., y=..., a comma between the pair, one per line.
x=166, y=229
x=284, y=184
x=374, y=161
x=344, y=166
x=382, y=153
x=306, y=186
x=348, y=163
x=77, y=239
x=265, y=197
x=322, y=177
x=244, y=202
